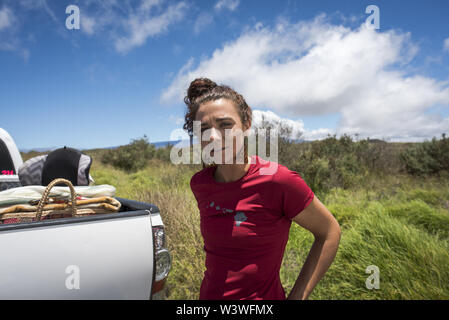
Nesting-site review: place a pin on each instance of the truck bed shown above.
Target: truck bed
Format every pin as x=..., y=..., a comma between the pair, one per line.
x=103, y=256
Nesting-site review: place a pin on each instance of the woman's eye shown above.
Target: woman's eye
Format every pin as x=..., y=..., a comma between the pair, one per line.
x=223, y=125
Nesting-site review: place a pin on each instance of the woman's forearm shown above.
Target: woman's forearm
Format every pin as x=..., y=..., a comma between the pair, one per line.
x=318, y=261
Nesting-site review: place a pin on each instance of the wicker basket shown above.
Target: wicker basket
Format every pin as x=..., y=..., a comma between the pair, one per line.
x=73, y=208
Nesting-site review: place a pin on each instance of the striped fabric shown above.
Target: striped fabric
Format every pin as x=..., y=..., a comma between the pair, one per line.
x=85, y=161
x=30, y=172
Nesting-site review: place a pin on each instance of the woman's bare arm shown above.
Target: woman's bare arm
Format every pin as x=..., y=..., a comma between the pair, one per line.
x=322, y=224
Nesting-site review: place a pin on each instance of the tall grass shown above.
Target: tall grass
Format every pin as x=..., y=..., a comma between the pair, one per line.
x=413, y=258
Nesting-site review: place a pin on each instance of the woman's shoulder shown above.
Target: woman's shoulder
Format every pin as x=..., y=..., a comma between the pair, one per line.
x=199, y=176
x=281, y=174
x=270, y=167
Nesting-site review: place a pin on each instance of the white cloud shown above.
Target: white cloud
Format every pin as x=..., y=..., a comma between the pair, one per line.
x=14, y=46
x=202, y=21
x=317, y=134
x=6, y=18
x=269, y=117
x=140, y=26
x=42, y=6
x=175, y=119
x=9, y=41
x=39, y=5
x=297, y=126
x=446, y=44
x=316, y=68
x=148, y=4
x=129, y=27
x=88, y=24
x=228, y=4
x=119, y=22
x=104, y=18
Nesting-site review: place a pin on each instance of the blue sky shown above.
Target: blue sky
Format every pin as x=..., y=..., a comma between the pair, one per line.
x=312, y=64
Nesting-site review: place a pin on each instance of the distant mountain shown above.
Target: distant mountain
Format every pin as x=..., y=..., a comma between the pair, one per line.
x=38, y=149
x=162, y=144
x=157, y=144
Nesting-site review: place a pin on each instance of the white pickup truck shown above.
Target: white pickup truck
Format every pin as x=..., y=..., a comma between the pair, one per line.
x=104, y=256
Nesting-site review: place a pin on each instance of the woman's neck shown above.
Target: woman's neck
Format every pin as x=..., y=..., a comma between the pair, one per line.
x=231, y=172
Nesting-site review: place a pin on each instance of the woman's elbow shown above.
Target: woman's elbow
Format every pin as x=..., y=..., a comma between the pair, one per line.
x=333, y=233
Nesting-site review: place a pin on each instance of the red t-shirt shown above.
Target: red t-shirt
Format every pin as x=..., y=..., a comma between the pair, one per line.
x=245, y=226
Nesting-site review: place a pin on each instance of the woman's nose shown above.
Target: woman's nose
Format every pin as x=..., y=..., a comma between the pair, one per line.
x=215, y=134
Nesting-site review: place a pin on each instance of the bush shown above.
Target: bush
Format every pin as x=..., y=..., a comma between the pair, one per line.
x=333, y=162
x=163, y=153
x=316, y=173
x=429, y=157
x=131, y=157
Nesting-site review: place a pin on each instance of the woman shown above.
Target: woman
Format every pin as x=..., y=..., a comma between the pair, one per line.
x=245, y=216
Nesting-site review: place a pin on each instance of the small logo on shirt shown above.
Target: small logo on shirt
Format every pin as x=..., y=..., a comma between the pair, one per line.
x=239, y=216
x=217, y=207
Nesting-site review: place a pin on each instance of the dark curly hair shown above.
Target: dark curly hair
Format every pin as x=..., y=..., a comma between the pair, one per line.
x=202, y=90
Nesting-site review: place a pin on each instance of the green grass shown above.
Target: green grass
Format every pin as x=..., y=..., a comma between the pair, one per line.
x=398, y=223
x=413, y=263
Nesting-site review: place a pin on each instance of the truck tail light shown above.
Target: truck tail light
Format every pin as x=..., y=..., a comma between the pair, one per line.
x=163, y=264
x=163, y=259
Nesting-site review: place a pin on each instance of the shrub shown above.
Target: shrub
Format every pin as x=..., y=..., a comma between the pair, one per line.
x=317, y=174
x=332, y=162
x=163, y=153
x=429, y=157
x=131, y=157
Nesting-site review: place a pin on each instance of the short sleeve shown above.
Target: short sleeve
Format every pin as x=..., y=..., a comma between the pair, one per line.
x=296, y=195
x=196, y=185
x=193, y=182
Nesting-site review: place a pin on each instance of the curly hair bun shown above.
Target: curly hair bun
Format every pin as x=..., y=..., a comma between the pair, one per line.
x=198, y=87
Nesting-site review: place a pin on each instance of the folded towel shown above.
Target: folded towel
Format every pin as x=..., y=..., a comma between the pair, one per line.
x=106, y=203
x=24, y=212
x=23, y=195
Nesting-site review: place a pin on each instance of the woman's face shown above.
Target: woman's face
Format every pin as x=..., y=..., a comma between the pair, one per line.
x=222, y=131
